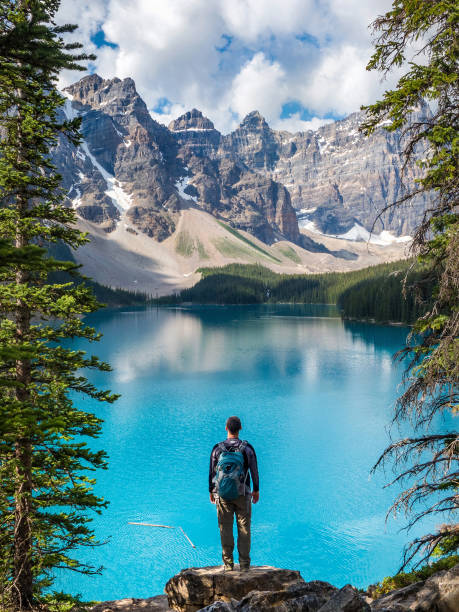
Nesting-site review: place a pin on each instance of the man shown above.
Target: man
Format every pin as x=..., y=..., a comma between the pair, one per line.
x=223, y=465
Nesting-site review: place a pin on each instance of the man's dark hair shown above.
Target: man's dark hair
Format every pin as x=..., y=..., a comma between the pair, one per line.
x=234, y=424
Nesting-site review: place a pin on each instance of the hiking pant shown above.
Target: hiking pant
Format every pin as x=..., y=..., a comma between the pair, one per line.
x=242, y=508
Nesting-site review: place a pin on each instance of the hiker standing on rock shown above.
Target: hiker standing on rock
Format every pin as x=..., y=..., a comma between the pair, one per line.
x=229, y=487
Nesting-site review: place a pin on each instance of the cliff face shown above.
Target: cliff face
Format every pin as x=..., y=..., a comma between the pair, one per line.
x=336, y=176
x=131, y=170
x=225, y=186
x=125, y=166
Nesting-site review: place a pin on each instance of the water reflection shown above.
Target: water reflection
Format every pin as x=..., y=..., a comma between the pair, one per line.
x=173, y=342
x=378, y=337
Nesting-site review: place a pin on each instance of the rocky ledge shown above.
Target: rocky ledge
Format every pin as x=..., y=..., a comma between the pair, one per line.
x=261, y=588
x=264, y=588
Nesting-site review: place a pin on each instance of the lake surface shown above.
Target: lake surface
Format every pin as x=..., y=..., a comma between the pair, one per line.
x=314, y=394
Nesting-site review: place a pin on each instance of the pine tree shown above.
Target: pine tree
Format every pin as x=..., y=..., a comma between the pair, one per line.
x=45, y=466
x=428, y=460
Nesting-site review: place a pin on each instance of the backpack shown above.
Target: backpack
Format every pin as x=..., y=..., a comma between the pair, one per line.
x=229, y=474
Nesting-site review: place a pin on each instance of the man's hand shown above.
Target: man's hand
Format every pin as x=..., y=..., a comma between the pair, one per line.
x=212, y=498
x=255, y=496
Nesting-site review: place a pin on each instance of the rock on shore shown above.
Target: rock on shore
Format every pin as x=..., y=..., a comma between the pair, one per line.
x=439, y=593
x=264, y=588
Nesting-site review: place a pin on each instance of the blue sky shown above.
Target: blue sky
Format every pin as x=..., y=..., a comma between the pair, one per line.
x=300, y=63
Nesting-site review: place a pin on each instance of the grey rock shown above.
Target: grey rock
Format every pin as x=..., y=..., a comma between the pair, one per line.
x=254, y=142
x=346, y=599
x=137, y=152
x=439, y=593
x=265, y=588
x=196, y=134
x=299, y=596
x=195, y=588
x=335, y=167
x=192, y=120
x=225, y=187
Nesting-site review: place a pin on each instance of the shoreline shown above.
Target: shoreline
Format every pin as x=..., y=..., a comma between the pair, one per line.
x=223, y=305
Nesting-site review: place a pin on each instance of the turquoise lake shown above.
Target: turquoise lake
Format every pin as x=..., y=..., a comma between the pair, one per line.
x=315, y=396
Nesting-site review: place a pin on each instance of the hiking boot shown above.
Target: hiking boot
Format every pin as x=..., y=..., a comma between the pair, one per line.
x=245, y=568
x=228, y=568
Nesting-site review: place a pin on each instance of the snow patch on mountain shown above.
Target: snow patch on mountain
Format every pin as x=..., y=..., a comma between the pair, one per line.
x=115, y=192
x=305, y=211
x=357, y=233
x=181, y=185
x=76, y=201
x=195, y=129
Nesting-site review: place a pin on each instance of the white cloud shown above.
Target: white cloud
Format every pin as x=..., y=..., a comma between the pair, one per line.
x=294, y=123
x=250, y=19
x=172, y=113
x=251, y=85
x=271, y=52
x=340, y=83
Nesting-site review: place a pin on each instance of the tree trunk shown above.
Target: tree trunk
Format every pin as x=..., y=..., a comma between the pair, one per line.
x=22, y=573
x=22, y=592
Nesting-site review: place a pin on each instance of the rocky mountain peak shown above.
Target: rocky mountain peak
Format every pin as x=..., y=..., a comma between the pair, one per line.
x=192, y=120
x=132, y=170
x=94, y=91
x=86, y=88
x=255, y=143
x=254, y=121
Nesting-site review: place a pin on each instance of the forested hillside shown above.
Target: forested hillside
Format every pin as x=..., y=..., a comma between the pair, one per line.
x=371, y=293
x=382, y=298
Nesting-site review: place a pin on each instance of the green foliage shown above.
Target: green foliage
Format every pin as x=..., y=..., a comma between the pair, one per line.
x=370, y=293
x=287, y=251
x=387, y=297
x=252, y=244
x=201, y=249
x=402, y=579
x=46, y=467
x=63, y=602
x=184, y=244
x=229, y=248
x=112, y=297
x=422, y=39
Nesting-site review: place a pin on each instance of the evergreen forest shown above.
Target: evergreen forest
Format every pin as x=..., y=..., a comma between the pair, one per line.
x=381, y=293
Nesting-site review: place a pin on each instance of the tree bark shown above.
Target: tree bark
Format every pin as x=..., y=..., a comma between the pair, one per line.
x=22, y=592
x=22, y=573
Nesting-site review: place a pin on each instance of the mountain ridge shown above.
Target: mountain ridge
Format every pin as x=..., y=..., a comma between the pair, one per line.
x=147, y=191
x=269, y=173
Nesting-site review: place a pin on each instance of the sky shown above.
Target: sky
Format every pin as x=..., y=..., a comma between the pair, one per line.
x=300, y=63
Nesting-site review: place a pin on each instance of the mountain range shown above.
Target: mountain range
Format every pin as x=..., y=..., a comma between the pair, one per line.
x=158, y=202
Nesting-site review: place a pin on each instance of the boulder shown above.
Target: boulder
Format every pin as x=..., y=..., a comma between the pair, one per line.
x=195, y=588
x=304, y=596
x=347, y=599
x=439, y=593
